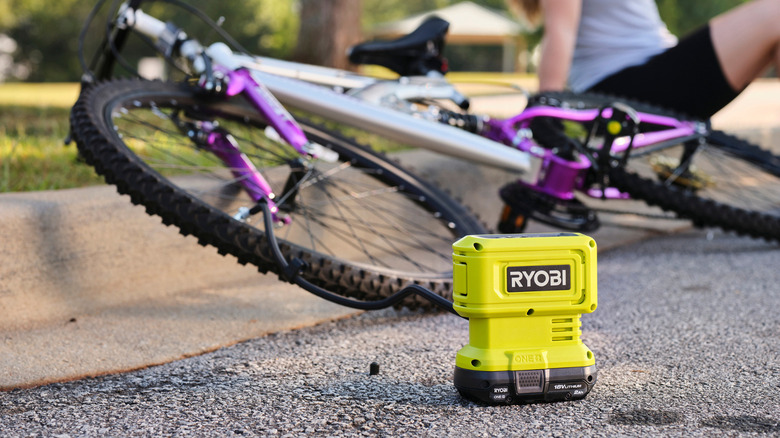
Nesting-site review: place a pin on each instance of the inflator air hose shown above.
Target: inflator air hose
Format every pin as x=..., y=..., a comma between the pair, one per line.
x=291, y=273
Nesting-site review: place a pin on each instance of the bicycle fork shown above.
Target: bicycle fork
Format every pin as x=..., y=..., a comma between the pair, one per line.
x=281, y=128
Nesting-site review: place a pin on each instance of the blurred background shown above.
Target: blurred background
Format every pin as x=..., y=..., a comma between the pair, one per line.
x=40, y=69
x=38, y=38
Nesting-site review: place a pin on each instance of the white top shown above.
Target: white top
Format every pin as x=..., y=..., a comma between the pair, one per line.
x=613, y=35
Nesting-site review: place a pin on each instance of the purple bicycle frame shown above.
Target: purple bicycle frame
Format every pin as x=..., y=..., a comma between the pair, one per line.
x=224, y=146
x=557, y=177
x=560, y=178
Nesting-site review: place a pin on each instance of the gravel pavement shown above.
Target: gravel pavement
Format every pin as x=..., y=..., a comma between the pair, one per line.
x=685, y=338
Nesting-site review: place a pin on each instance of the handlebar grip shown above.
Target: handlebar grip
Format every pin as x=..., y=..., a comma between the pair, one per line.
x=169, y=39
x=144, y=23
x=462, y=101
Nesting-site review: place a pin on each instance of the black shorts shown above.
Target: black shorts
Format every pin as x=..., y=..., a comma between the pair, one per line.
x=686, y=78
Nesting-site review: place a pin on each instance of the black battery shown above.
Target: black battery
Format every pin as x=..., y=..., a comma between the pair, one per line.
x=526, y=386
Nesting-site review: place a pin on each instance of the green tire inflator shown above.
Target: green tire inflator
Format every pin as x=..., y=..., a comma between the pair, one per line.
x=523, y=295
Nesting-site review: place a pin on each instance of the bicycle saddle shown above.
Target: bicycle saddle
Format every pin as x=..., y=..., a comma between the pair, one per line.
x=414, y=54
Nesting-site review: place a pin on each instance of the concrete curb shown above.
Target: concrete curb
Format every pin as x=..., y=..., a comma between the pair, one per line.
x=92, y=285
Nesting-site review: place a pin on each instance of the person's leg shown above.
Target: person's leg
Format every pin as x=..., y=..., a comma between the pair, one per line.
x=687, y=78
x=746, y=40
x=709, y=67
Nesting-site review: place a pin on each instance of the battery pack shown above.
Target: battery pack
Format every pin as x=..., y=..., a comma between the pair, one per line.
x=526, y=386
x=523, y=295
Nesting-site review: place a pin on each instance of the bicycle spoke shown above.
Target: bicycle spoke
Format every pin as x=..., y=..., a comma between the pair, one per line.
x=390, y=245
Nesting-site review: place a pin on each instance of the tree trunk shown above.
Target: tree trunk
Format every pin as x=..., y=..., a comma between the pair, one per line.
x=328, y=29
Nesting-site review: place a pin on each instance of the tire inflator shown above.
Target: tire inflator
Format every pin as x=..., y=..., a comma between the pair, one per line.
x=523, y=295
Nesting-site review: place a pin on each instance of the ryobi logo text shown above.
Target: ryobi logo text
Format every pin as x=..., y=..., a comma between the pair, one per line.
x=538, y=278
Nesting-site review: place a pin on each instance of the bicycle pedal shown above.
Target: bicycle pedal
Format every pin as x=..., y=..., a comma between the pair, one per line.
x=511, y=221
x=524, y=201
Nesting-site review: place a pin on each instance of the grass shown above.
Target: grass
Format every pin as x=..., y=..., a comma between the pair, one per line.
x=33, y=154
x=32, y=151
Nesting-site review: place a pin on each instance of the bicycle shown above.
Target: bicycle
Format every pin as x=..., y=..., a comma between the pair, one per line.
x=214, y=162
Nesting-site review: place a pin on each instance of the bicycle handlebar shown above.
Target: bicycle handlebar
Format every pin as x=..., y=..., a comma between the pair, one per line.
x=170, y=39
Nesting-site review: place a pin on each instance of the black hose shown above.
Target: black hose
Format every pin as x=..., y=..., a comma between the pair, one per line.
x=291, y=273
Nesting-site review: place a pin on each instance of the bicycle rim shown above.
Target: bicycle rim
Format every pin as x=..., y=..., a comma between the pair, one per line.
x=364, y=226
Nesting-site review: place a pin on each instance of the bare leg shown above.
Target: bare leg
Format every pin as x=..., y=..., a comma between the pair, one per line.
x=747, y=40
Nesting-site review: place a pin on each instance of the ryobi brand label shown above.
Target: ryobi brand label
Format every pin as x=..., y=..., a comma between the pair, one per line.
x=538, y=278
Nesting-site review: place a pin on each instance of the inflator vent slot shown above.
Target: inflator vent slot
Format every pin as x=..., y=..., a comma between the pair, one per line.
x=529, y=382
x=562, y=329
x=562, y=320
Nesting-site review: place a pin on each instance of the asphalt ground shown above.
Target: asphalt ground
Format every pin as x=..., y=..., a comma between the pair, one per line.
x=685, y=339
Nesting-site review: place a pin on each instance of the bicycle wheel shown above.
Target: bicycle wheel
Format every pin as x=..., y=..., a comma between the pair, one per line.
x=727, y=183
x=718, y=180
x=364, y=226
